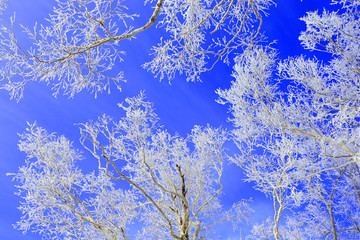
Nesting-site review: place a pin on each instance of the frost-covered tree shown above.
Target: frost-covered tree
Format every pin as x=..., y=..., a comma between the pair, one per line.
x=81, y=41
x=268, y=155
x=166, y=185
x=297, y=124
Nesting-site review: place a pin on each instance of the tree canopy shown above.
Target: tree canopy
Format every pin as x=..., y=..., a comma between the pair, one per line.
x=294, y=130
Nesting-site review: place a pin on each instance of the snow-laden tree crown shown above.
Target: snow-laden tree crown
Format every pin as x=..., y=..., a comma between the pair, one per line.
x=295, y=131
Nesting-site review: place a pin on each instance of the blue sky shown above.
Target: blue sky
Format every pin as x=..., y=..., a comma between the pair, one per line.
x=179, y=106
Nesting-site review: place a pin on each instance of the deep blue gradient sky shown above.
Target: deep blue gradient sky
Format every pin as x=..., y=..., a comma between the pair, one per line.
x=179, y=106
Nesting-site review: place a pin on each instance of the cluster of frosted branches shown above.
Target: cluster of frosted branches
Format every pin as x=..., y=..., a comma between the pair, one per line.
x=74, y=51
x=298, y=131
x=59, y=201
x=203, y=33
x=2, y=5
x=173, y=190
x=81, y=42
